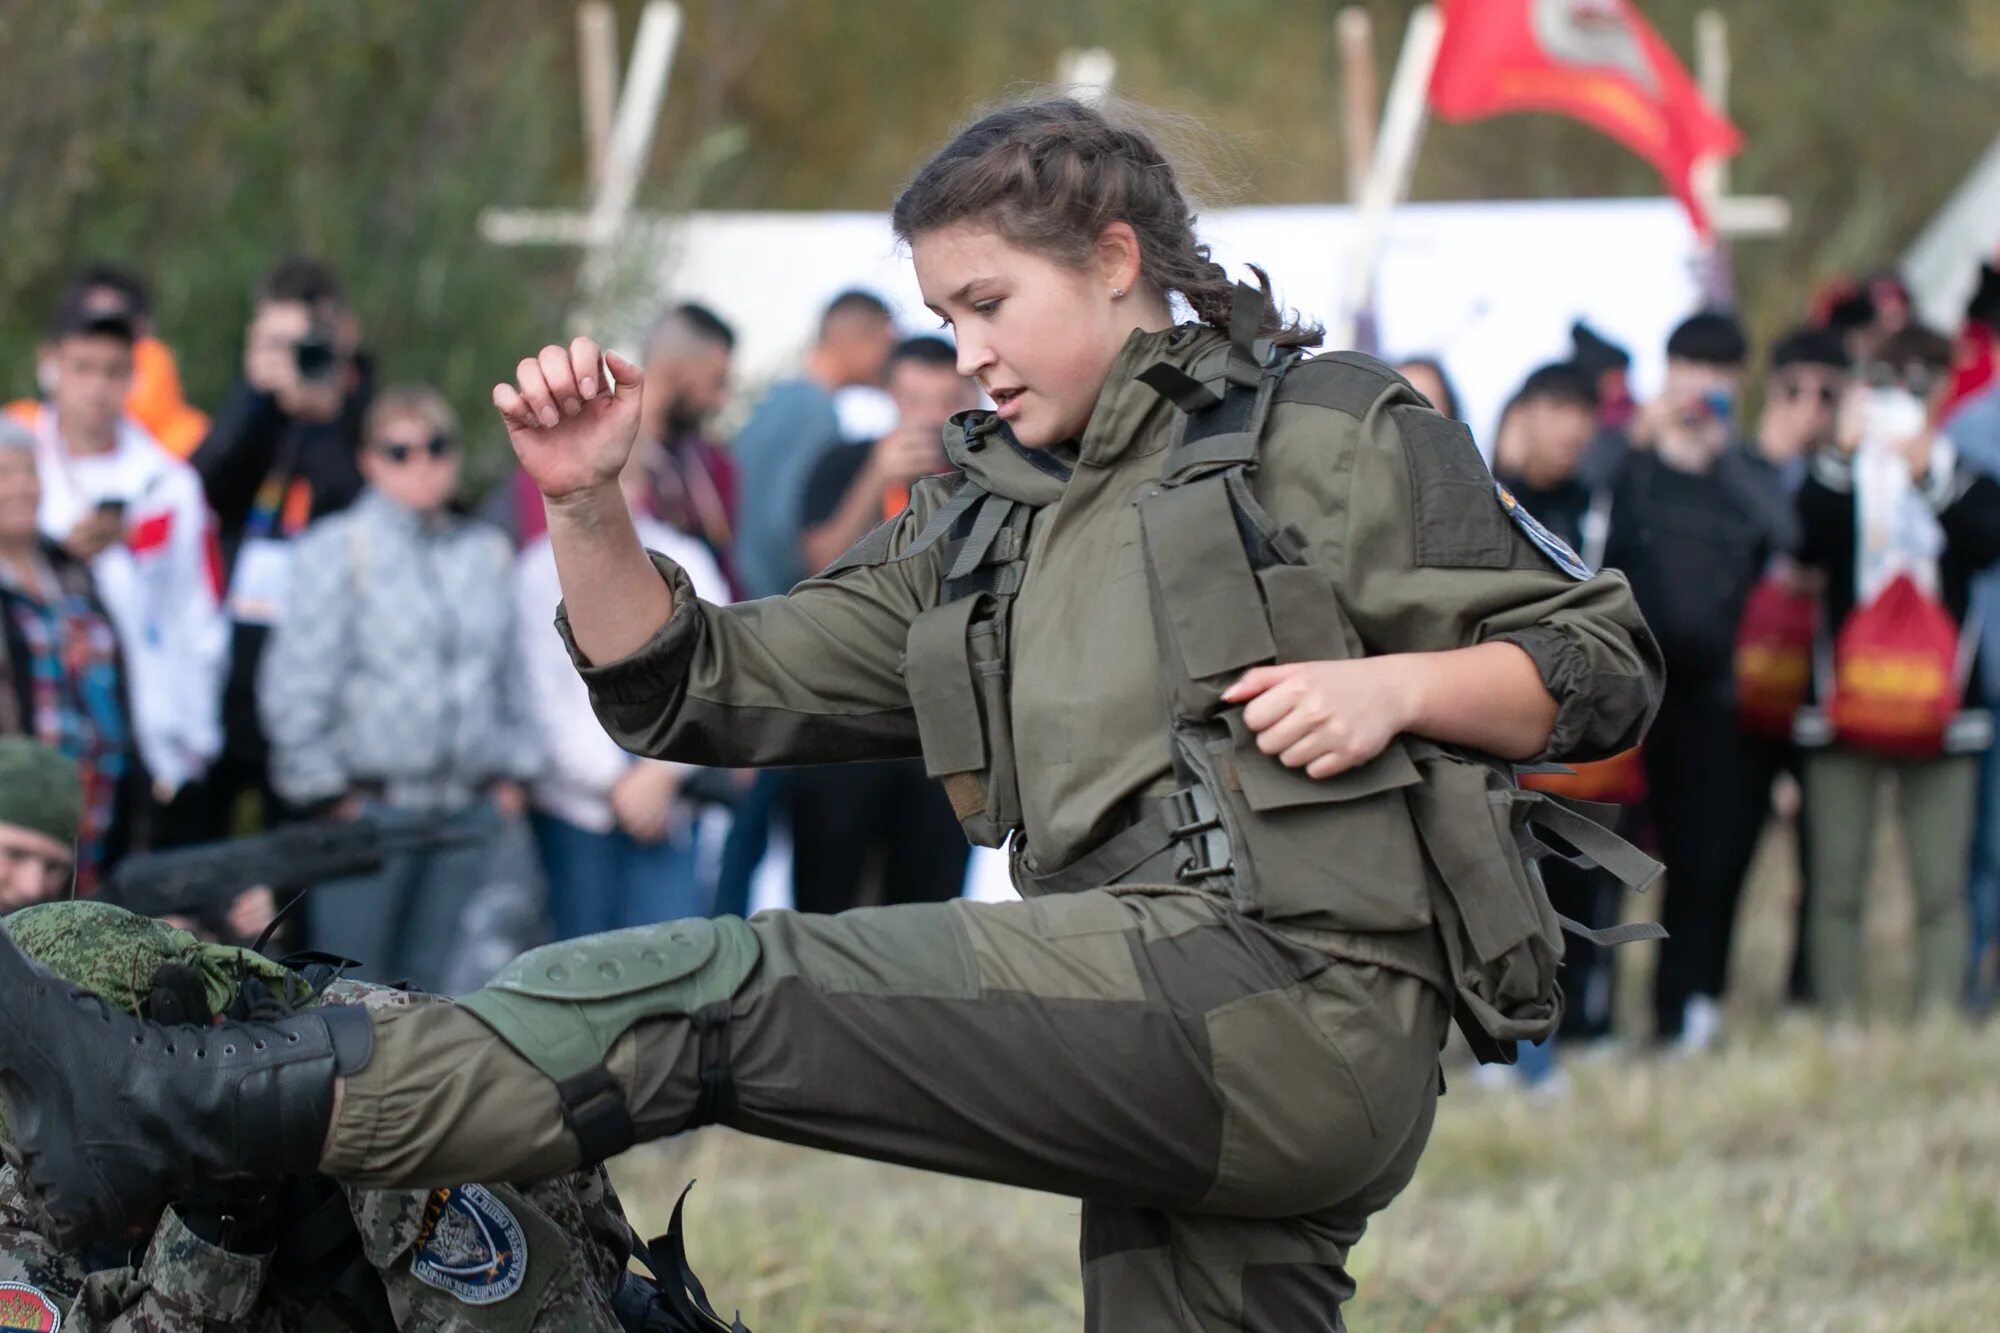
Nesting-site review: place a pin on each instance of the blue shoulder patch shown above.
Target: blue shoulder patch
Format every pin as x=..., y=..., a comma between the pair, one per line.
x=470, y=1246
x=1550, y=545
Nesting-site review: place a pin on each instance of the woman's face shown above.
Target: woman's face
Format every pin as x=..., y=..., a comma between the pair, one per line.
x=1038, y=336
x=20, y=495
x=411, y=465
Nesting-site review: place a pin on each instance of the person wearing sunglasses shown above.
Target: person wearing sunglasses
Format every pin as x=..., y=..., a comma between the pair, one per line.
x=390, y=689
x=1891, y=500
x=1801, y=396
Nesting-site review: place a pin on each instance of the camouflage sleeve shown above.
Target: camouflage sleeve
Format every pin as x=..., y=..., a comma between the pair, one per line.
x=541, y=1258
x=1430, y=554
x=38, y=1281
x=184, y=1284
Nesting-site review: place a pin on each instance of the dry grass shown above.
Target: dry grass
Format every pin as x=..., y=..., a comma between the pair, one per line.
x=1790, y=1181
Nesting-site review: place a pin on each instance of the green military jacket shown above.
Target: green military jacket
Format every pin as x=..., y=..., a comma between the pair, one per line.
x=1397, y=510
x=472, y=1259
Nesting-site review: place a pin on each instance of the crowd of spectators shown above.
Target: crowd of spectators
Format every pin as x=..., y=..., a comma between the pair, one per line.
x=286, y=612
x=1820, y=574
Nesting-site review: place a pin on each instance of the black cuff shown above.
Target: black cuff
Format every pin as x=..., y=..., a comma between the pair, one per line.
x=1565, y=673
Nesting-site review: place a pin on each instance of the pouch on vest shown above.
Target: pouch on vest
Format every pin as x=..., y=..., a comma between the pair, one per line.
x=1502, y=938
x=955, y=661
x=1420, y=835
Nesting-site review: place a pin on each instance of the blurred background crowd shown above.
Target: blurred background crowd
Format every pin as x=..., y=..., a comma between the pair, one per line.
x=305, y=583
x=292, y=608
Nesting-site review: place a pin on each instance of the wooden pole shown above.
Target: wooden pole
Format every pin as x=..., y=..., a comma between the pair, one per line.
x=1356, y=30
x=632, y=132
x=1403, y=121
x=1711, y=173
x=597, y=74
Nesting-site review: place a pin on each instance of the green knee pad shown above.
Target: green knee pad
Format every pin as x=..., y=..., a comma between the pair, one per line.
x=563, y=1006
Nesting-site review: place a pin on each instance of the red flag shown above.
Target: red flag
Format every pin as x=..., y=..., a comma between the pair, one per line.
x=1597, y=60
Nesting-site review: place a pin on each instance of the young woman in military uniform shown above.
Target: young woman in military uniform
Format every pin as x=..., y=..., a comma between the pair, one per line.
x=1208, y=630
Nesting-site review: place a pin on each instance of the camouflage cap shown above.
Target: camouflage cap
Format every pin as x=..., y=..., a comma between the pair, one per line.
x=39, y=789
x=115, y=954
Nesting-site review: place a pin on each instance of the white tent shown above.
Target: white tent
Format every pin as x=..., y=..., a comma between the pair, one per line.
x=1943, y=264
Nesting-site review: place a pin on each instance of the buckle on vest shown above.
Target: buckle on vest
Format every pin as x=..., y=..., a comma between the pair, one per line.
x=1193, y=819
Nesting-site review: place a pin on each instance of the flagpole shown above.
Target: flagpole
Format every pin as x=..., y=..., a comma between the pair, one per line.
x=1403, y=121
x=1711, y=173
x=1358, y=96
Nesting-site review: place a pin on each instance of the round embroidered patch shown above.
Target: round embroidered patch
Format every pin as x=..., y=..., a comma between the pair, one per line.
x=471, y=1246
x=24, y=1309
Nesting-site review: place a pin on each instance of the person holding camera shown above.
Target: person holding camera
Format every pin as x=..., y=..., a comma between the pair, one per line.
x=284, y=451
x=118, y=502
x=1696, y=518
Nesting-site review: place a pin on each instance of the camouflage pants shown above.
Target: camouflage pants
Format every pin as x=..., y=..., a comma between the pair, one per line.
x=1231, y=1105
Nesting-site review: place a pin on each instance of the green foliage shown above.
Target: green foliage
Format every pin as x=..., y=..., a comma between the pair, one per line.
x=201, y=140
x=1863, y=115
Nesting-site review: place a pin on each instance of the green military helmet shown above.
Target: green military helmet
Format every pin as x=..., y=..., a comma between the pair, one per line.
x=116, y=954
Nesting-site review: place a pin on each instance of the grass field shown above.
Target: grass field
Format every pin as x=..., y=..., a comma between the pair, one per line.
x=1787, y=1181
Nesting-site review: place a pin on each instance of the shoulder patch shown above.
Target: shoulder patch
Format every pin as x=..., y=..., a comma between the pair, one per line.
x=1451, y=494
x=1347, y=382
x=27, y=1309
x=470, y=1246
x=1550, y=545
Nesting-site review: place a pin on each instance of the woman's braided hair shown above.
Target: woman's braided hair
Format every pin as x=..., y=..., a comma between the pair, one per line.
x=1050, y=175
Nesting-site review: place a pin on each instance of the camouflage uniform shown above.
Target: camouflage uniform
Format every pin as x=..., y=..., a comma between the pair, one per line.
x=562, y=1245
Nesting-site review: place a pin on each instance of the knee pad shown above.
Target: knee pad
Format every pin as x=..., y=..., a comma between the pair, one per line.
x=563, y=1006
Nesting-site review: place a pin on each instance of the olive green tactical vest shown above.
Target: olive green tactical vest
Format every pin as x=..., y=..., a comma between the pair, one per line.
x=1452, y=842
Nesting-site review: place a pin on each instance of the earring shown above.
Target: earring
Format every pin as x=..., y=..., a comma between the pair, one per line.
x=1117, y=292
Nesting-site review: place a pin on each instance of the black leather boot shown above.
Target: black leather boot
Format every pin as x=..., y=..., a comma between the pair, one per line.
x=114, y=1116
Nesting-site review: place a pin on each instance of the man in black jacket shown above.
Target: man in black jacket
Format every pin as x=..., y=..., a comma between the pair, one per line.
x=282, y=452
x=1695, y=518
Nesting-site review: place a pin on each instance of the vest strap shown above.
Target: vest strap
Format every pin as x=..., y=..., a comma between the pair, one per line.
x=1598, y=844
x=1178, y=387
x=593, y=1109
x=1246, y=318
x=1610, y=937
x=993, y=515
x=943, y=691
x=1177, y=839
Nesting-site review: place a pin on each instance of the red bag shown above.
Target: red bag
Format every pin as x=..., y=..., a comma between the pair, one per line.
x=1619, y=780
x=1896, y=679
x=1774, y=658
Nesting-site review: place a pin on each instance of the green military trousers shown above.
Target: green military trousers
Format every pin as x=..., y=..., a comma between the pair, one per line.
x=1230, y=1104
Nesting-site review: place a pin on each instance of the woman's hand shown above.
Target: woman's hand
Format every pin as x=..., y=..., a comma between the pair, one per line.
x=1326, y=717
x=570, y=430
